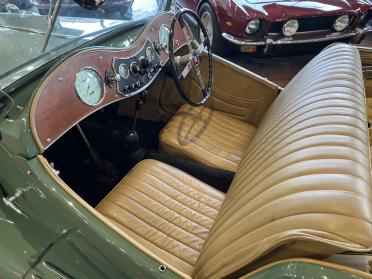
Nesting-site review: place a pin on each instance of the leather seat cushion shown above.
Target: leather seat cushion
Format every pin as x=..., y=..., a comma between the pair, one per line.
x=369, y=114
x=166, y=211
x=207, y=136
x=303, y=188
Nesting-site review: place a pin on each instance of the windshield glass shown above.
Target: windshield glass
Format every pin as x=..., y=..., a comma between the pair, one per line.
x=24, y=26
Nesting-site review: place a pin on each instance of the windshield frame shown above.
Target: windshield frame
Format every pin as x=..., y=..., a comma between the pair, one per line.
x=23, y=73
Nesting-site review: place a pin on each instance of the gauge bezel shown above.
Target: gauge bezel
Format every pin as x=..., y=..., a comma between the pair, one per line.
x=131, y=68
x=152, y=54
x=127, y=71
x=103, y=88
x=168, y=28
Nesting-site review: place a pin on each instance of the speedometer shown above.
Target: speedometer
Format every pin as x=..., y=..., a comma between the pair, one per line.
x=164, y=37
x=89, y=86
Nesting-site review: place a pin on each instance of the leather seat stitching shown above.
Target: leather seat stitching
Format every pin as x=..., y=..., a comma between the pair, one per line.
x=185, y=186
x=157, y=228
x=225, y=151
x=149, y=209
x=180, y=204
x=170, y=209
x=173, y=178
x=270, y=133
x=271, y=222
x=279, y=147
x=279, y=139
x=188, y=206
x=231, y=142
x=153, y=243
x=209, y=160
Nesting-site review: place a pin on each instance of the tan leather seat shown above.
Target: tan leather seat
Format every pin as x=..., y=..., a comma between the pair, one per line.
x=166, y=210
x=302, y=188
x=369, y=115
x=207, y=136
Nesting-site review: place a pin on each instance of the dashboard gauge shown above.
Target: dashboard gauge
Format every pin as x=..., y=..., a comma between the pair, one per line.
x=164, y=37
x=123, y=71
x=89, y=86
x=150, y=54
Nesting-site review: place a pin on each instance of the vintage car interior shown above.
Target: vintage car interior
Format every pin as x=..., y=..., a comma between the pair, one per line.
x=206, y=167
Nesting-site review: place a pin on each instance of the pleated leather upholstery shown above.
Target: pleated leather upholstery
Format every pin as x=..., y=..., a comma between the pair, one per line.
x=165, y=210
x=207, y=136
x=303, y=188
x=369, y=115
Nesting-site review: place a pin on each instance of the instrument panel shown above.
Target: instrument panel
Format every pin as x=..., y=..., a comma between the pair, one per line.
x=97, y=77
x=138, y=71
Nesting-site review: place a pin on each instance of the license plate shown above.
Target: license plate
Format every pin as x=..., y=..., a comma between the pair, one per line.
x=248, y=49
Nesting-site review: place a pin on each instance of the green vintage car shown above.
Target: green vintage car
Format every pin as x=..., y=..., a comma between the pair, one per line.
x=129, y=150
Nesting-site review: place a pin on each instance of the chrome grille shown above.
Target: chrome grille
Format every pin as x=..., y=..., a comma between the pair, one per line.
x=307, y=24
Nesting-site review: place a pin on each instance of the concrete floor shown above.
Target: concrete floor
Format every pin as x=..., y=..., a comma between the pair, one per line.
x=279, y=69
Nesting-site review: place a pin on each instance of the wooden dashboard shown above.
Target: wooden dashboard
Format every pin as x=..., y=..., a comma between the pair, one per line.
x=56, y=106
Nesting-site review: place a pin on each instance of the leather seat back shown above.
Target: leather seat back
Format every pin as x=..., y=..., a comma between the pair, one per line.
x=303, y=188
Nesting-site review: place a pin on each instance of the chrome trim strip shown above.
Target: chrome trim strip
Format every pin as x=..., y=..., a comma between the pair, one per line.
x=117, y=3
x=57, y=271
x=285, y=41
x=302, y=33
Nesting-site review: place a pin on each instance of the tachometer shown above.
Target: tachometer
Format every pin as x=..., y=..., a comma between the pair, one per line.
x=164, y=37
x=89, y=86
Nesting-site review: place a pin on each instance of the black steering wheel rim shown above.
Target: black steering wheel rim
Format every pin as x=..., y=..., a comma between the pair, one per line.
x=206, y=91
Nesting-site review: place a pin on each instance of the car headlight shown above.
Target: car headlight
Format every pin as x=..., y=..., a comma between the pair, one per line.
x=341, y=23
x=290, y=27
x=253, y=26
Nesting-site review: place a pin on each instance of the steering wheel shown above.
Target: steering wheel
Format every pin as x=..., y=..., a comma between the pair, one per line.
x=192, y=59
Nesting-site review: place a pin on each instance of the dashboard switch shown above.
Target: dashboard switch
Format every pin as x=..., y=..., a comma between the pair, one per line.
x=128, y=88
x=110, y=77
x=144, y=62
x=117, y=77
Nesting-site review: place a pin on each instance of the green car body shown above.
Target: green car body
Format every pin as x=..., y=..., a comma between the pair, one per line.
x=53, y=235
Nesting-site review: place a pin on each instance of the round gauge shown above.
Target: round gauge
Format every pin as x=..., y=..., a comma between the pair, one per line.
x=150, y=54
x=89, y=86
x=164, y=37
x=123, y=71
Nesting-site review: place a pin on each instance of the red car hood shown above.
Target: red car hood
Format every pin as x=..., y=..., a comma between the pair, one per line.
x=279, y=10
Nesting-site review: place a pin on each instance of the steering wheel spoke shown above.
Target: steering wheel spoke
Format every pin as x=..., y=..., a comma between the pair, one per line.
x=199, y=47
x=199, y=76
x=185, y=71
x=186, y=29
x=192, y=60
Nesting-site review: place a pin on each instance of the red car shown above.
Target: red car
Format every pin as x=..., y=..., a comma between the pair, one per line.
x=257, y=25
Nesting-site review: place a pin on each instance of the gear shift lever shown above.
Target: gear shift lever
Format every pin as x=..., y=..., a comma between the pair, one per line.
x=139, y=103
x=131, y=137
